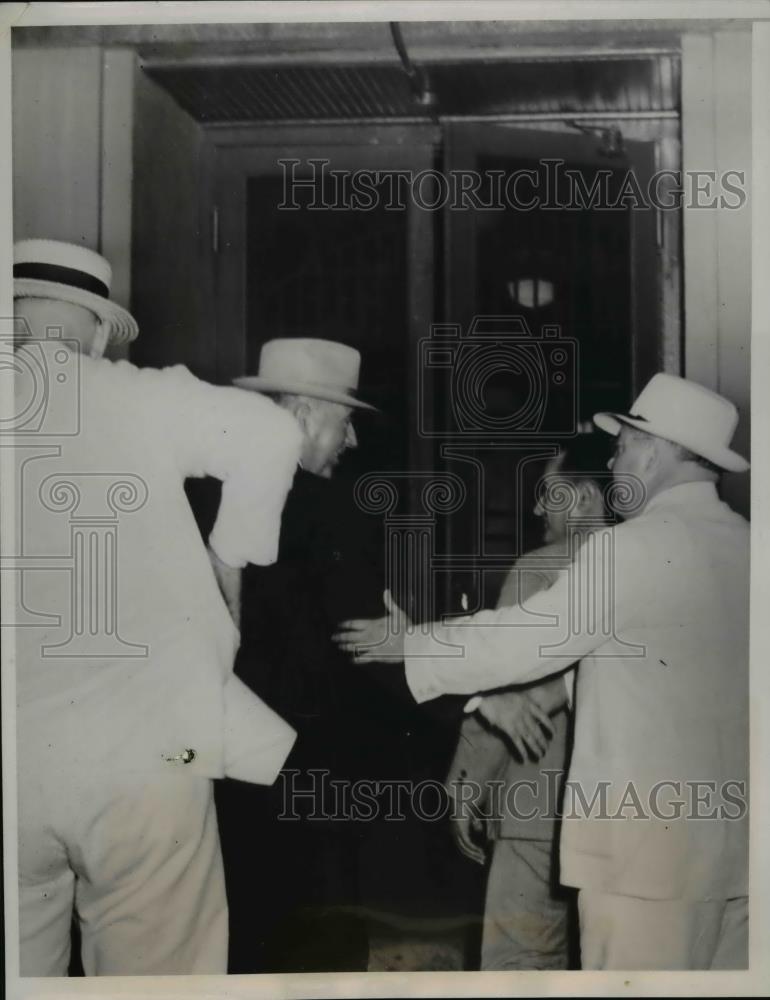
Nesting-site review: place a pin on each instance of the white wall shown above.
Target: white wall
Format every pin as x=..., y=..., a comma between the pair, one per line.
x=172, y=266
x=716, y=135
x=56, y=143
x=72, y=150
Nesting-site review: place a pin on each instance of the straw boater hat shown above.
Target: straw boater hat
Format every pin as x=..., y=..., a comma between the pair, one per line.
x=304, y=366
x=66, y=272
x=686, y=413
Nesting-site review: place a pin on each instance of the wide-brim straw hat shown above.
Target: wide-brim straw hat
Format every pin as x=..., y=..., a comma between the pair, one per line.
x=307, y=366
x=66, y=272
x=686, y=413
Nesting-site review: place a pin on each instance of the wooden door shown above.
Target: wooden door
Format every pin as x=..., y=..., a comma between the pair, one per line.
x=286, y=265
x=562, y=257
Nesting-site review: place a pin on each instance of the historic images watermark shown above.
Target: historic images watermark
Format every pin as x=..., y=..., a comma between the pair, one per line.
x=64, y=551
x=315, y=795
x=550, y=185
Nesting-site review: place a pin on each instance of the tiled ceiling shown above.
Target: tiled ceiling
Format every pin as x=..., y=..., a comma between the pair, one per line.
x=229, y=92
x=241, y=93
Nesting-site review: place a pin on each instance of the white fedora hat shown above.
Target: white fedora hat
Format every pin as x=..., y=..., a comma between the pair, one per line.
x=51, y=269
x=686, y=413
x=306, y=366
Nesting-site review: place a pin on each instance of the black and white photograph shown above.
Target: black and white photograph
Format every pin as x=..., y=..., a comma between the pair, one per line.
x=383, y=546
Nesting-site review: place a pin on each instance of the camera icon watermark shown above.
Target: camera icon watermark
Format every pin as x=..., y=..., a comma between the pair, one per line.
x=46, y=375
x=498, y=380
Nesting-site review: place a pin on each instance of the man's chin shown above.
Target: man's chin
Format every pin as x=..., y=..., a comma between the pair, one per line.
x=331, y=466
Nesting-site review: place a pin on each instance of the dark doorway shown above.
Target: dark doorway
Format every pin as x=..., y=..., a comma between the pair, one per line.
x=559, y=277
x=338, y=275
x=364, y=277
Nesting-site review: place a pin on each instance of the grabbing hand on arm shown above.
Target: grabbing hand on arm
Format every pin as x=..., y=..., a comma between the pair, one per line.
x=519, y=717
x=551, y=695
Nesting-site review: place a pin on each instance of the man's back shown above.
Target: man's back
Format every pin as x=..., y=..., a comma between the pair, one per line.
x=138, y=636
x=664, y=703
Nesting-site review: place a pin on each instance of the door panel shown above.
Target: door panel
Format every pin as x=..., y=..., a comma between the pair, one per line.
x=576, y=289
x=603, y=261
x=364, y=277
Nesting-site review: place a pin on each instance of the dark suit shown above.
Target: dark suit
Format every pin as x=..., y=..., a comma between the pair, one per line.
x=296, y=888
x=293, y=884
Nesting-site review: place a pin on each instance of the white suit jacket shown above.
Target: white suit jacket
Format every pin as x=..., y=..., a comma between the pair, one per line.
x=124, y=645
x=657, y=611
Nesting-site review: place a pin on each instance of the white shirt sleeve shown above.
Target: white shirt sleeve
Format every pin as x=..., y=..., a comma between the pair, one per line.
x=569, y=685
x=587, y=605
x=241, y=438
x=257, y=741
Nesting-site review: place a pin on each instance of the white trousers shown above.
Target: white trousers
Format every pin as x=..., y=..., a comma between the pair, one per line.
x=137, y=860
x=622, y=932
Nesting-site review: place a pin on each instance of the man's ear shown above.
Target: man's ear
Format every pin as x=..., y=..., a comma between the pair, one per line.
x=652, y=459
x=303, y=414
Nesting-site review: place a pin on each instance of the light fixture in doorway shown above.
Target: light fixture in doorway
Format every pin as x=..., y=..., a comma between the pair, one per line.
x=532, y=293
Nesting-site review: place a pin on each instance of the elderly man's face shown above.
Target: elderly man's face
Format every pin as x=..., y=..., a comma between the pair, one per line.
x=329, y=433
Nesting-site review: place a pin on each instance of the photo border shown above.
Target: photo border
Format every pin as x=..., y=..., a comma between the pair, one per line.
x=430, y=984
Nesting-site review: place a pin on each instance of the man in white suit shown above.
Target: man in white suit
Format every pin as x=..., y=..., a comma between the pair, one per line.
x=127, y=704
x=655, y=832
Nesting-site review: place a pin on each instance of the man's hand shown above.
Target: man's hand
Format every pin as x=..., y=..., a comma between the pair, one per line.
x=467, y=831
x=550, y=696
x=521, y=719
x=371, y=640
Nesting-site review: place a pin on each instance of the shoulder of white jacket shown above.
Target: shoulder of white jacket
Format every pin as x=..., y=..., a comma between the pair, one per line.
x=665, y=518
x=179, y=376
x=631, y=540
x=654, y=537
x=127, y=370
x=549, y=551
x=739, y=520
x=281, y=420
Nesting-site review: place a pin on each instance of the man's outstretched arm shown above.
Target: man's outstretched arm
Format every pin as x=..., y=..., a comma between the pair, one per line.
x=494, y=649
